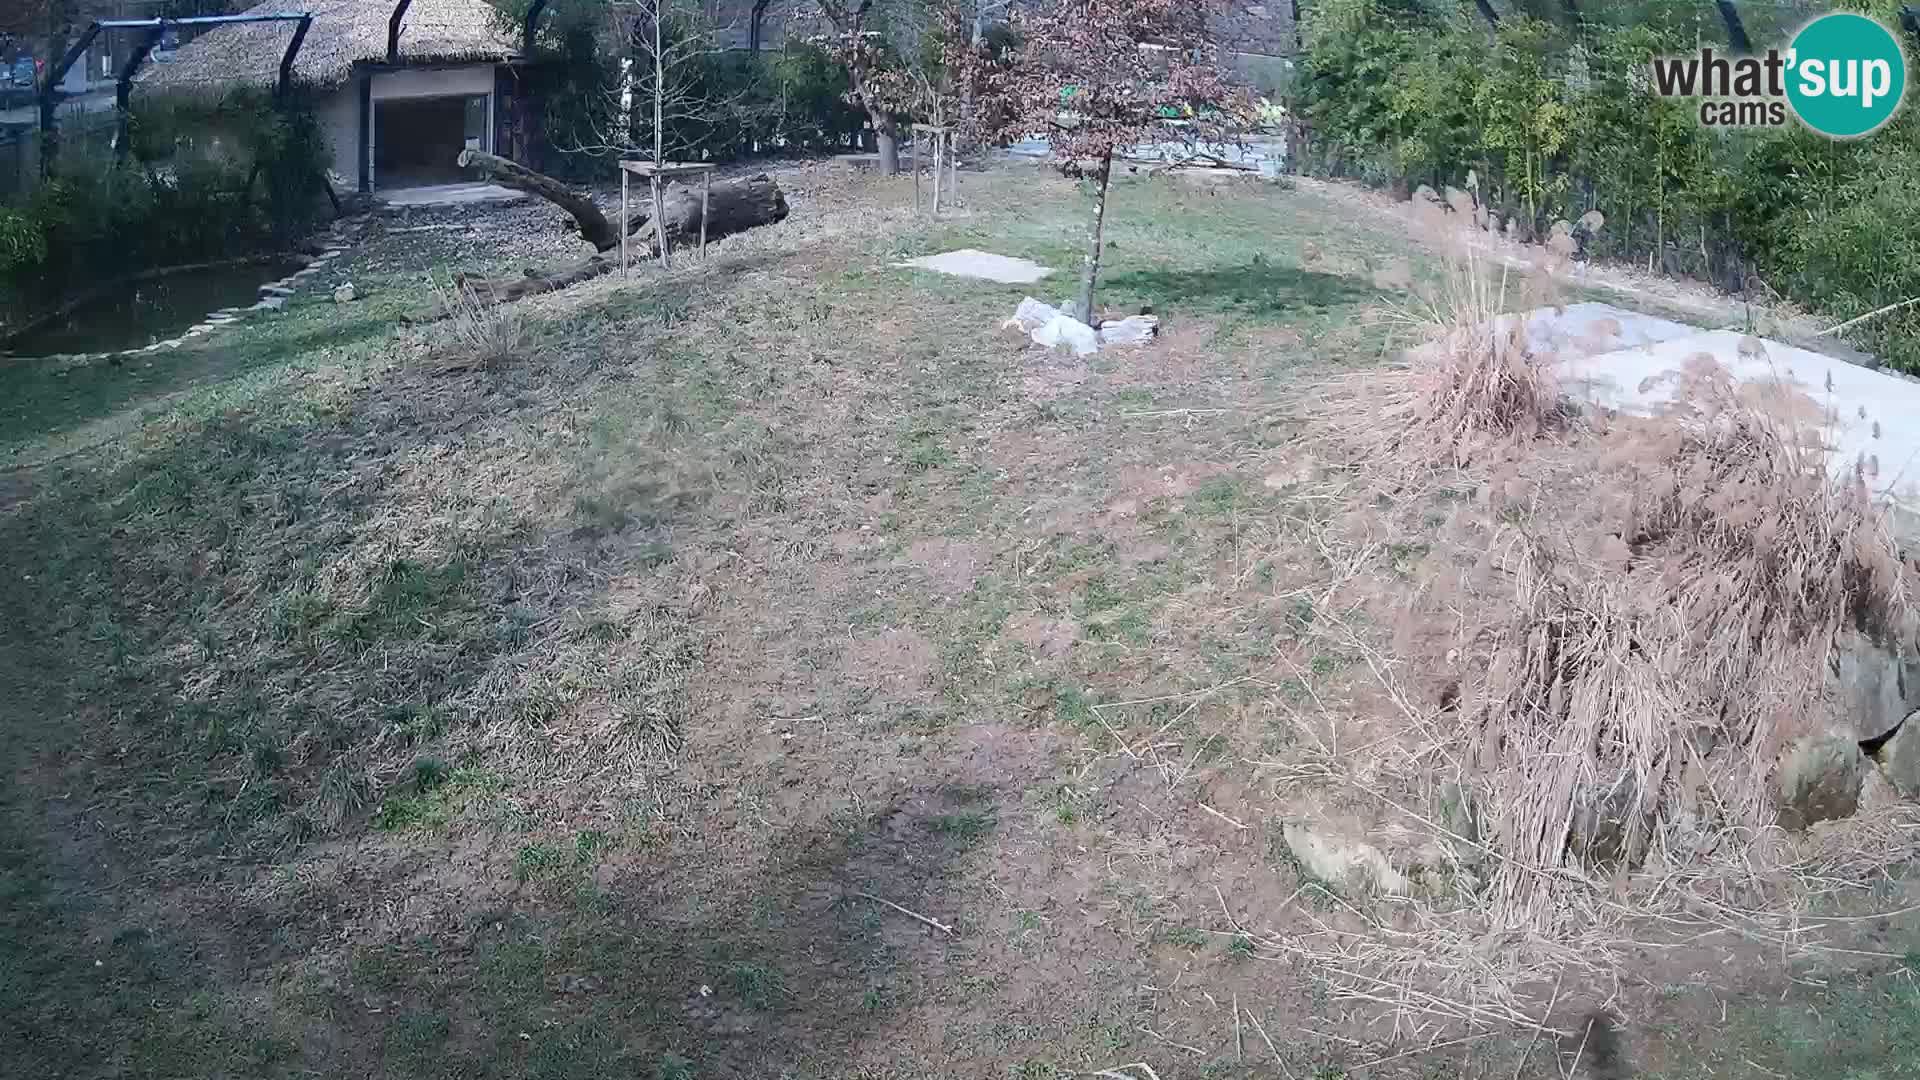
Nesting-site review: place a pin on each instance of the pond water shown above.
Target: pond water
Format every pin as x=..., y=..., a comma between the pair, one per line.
x=137, y=313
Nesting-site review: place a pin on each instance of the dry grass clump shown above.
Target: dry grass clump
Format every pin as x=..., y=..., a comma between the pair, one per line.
x=478, y=333
x=1479, y=382
x=1649, y=676
x=1641, y=614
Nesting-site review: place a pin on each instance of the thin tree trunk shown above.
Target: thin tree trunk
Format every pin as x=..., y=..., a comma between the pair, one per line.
x=1487, y=13
x=1090, y=268
x=886, y=140
x=1736, y=31
x=756, y=23
x=659, y=94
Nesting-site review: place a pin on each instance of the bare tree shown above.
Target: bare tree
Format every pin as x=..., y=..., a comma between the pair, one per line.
x=1101, y=76
x=659, y=99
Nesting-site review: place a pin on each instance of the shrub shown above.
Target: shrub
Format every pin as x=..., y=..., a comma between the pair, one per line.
x=1551, y=123
x=165, y=205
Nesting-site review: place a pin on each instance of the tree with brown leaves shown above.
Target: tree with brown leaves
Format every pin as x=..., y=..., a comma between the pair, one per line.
x=1098, y=77
x=863, y=49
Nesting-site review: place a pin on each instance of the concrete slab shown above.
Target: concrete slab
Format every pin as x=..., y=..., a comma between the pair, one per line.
x=449, y=195
x=1867, y=416
x=985, y=265
x=1588, y=329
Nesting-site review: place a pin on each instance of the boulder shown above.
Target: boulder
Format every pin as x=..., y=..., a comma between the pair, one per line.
x=1819, y=779
x=1349, y=865
x=1875, y=686
x=345, y=294
x=1610, y=828
x=1899, y=757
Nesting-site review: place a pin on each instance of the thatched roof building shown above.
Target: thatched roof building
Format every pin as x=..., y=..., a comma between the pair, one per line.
x=394, y=121
x=345, y=33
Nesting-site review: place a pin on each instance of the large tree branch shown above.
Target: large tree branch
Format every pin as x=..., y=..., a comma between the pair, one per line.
x=733, y=206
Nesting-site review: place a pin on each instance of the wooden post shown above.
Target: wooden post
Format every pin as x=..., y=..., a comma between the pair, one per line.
x=913, y=155
x=706, y=200
x=953, y=164
x=660, y=223
x=626, y=182
x=936, y=173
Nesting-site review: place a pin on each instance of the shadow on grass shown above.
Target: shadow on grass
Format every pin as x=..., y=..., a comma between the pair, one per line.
x=280, y=616
x=1258, y=289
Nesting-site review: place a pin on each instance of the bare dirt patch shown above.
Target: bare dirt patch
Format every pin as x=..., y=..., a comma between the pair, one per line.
x=952, y=565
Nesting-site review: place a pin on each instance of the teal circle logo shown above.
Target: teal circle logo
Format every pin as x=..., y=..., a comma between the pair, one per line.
x=1846, y=75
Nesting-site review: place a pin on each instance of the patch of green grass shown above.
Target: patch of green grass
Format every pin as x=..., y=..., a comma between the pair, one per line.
x=756, y=986
x=673, y=1067
x=1184, y=936
x=1240, y=947
x=1219, y=497
x=1853, y=1029
x=402, y=602
x=924, y=449
x=966, y=828
x=540, y=862
x=1099, y=594
x=1069, y=806
x=1132, y=625
x=1300, y=614
x=589, y=846
x=438, y=794
x=417, y=1038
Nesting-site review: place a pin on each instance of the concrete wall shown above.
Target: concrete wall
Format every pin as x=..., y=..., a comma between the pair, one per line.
x=339, y=116
x=434, y=82
x=339, y=112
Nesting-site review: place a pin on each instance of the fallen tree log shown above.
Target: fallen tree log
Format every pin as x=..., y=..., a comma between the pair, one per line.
x=735, y=205
x=502, y=290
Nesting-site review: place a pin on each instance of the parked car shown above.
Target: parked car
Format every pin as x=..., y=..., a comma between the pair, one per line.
x=24, y=72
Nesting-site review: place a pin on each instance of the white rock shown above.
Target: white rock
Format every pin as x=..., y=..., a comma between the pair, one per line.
x=1132, y=330
x=1347, y=864
x=345, y=294
x=1048, y=326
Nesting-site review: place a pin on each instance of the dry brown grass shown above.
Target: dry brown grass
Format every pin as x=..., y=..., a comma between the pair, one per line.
x=1476, y=384
x=1669, y=639
x=479, y=333
x=1641, y=612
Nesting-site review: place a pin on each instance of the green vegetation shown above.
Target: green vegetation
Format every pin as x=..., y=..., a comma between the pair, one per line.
x=1556, y=119
x=550, y=719
x=169, y=203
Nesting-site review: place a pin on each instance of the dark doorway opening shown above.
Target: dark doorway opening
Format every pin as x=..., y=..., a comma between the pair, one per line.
x=417, y=141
